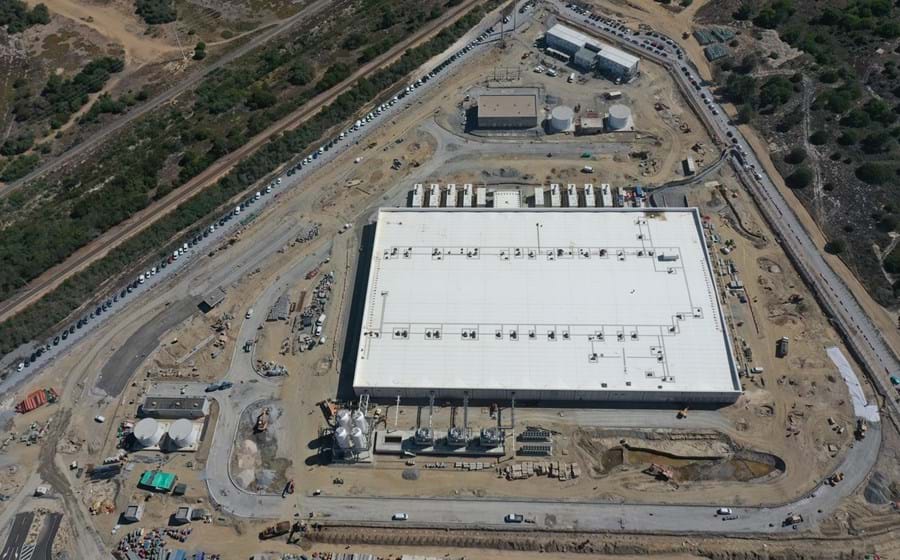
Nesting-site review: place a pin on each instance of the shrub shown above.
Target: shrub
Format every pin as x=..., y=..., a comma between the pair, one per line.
x=795, y=156
x=800, y=178
x=155, y=12
x=875, y=173
x=835, y=247
x=818, y=138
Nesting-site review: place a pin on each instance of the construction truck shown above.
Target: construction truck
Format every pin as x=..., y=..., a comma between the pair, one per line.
x=792, y=519
x=861, y=428
x=683, y=413
x=834, y=479
x=280, y=528
x=262, y=421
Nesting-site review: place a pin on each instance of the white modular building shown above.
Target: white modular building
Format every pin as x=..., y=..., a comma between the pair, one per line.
x=543, y=304
x=610, y=60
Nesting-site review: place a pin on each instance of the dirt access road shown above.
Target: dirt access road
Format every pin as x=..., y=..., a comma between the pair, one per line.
x=143, y=51
x=100, y=246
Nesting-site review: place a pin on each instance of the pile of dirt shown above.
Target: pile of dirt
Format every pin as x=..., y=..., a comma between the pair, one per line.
x=880, y=490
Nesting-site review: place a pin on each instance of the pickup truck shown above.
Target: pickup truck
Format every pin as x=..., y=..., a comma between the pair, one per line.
x=514, y=518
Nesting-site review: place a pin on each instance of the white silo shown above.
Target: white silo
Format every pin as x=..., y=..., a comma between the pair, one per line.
x=342, y=437
x=148, y=432
x=181, y=433
x=619, y=117
x=359, y=439
x=359, y=421
x=561, y=118
x=343, y=418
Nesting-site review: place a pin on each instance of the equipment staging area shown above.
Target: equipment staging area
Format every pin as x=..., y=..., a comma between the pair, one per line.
x=543, y=304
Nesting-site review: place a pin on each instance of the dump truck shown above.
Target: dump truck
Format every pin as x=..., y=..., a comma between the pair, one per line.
x=37, y=399
x=280, y=528
x=792, y=519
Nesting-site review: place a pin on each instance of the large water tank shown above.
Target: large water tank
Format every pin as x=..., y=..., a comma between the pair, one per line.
x=359, y=421
x=619, y=116
x=561, y=118
x=181, y=432
x=342, y=437
x=148, y=432
x=359, y=439
x=343, y=418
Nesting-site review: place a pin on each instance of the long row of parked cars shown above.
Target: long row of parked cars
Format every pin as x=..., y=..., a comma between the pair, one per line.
x=185, y=250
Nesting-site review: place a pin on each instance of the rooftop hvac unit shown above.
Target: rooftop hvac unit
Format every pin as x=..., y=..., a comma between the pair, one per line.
x=467, y=195
x=538, y=197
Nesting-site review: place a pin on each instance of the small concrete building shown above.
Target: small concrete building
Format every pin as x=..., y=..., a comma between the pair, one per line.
x=588, y=52
x=174, y=407
x=507, y=111
x=182, y=515
x=133, y=513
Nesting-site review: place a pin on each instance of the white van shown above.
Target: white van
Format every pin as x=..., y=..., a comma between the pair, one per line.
x=249, y=313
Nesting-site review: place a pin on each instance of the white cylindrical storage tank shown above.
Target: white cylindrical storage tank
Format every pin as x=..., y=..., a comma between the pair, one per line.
x=342, y=437
x=359, y=439
x=148, y=432
x=561, y=118
x=181, y=432
x=359, y=421
x=343, y=418
x=619, y=115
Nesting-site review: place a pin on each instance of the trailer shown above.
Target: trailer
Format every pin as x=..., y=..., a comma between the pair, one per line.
x=452, y=196
x=538, y=197
x=481, y=197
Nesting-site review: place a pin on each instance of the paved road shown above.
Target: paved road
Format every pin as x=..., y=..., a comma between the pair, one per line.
x=589, y=516
x=17, y=535
x=44, y=547
x=84, y=147
x=860, y=330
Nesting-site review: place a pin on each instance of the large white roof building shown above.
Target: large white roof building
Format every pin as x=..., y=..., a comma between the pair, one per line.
x=545, y=304
x=608, y=57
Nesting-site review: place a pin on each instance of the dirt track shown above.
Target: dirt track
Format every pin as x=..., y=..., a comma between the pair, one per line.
x=99, y=247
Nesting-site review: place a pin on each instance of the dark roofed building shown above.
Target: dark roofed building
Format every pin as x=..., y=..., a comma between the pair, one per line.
x=174, y=407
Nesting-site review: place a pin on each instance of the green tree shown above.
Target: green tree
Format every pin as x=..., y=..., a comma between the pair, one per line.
x=875, y=173
x=301, y=73
x=200, y=51
x=800, y=178
x=835, y=246
x=818, y=138
x=795, y=156
x=155, y=12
